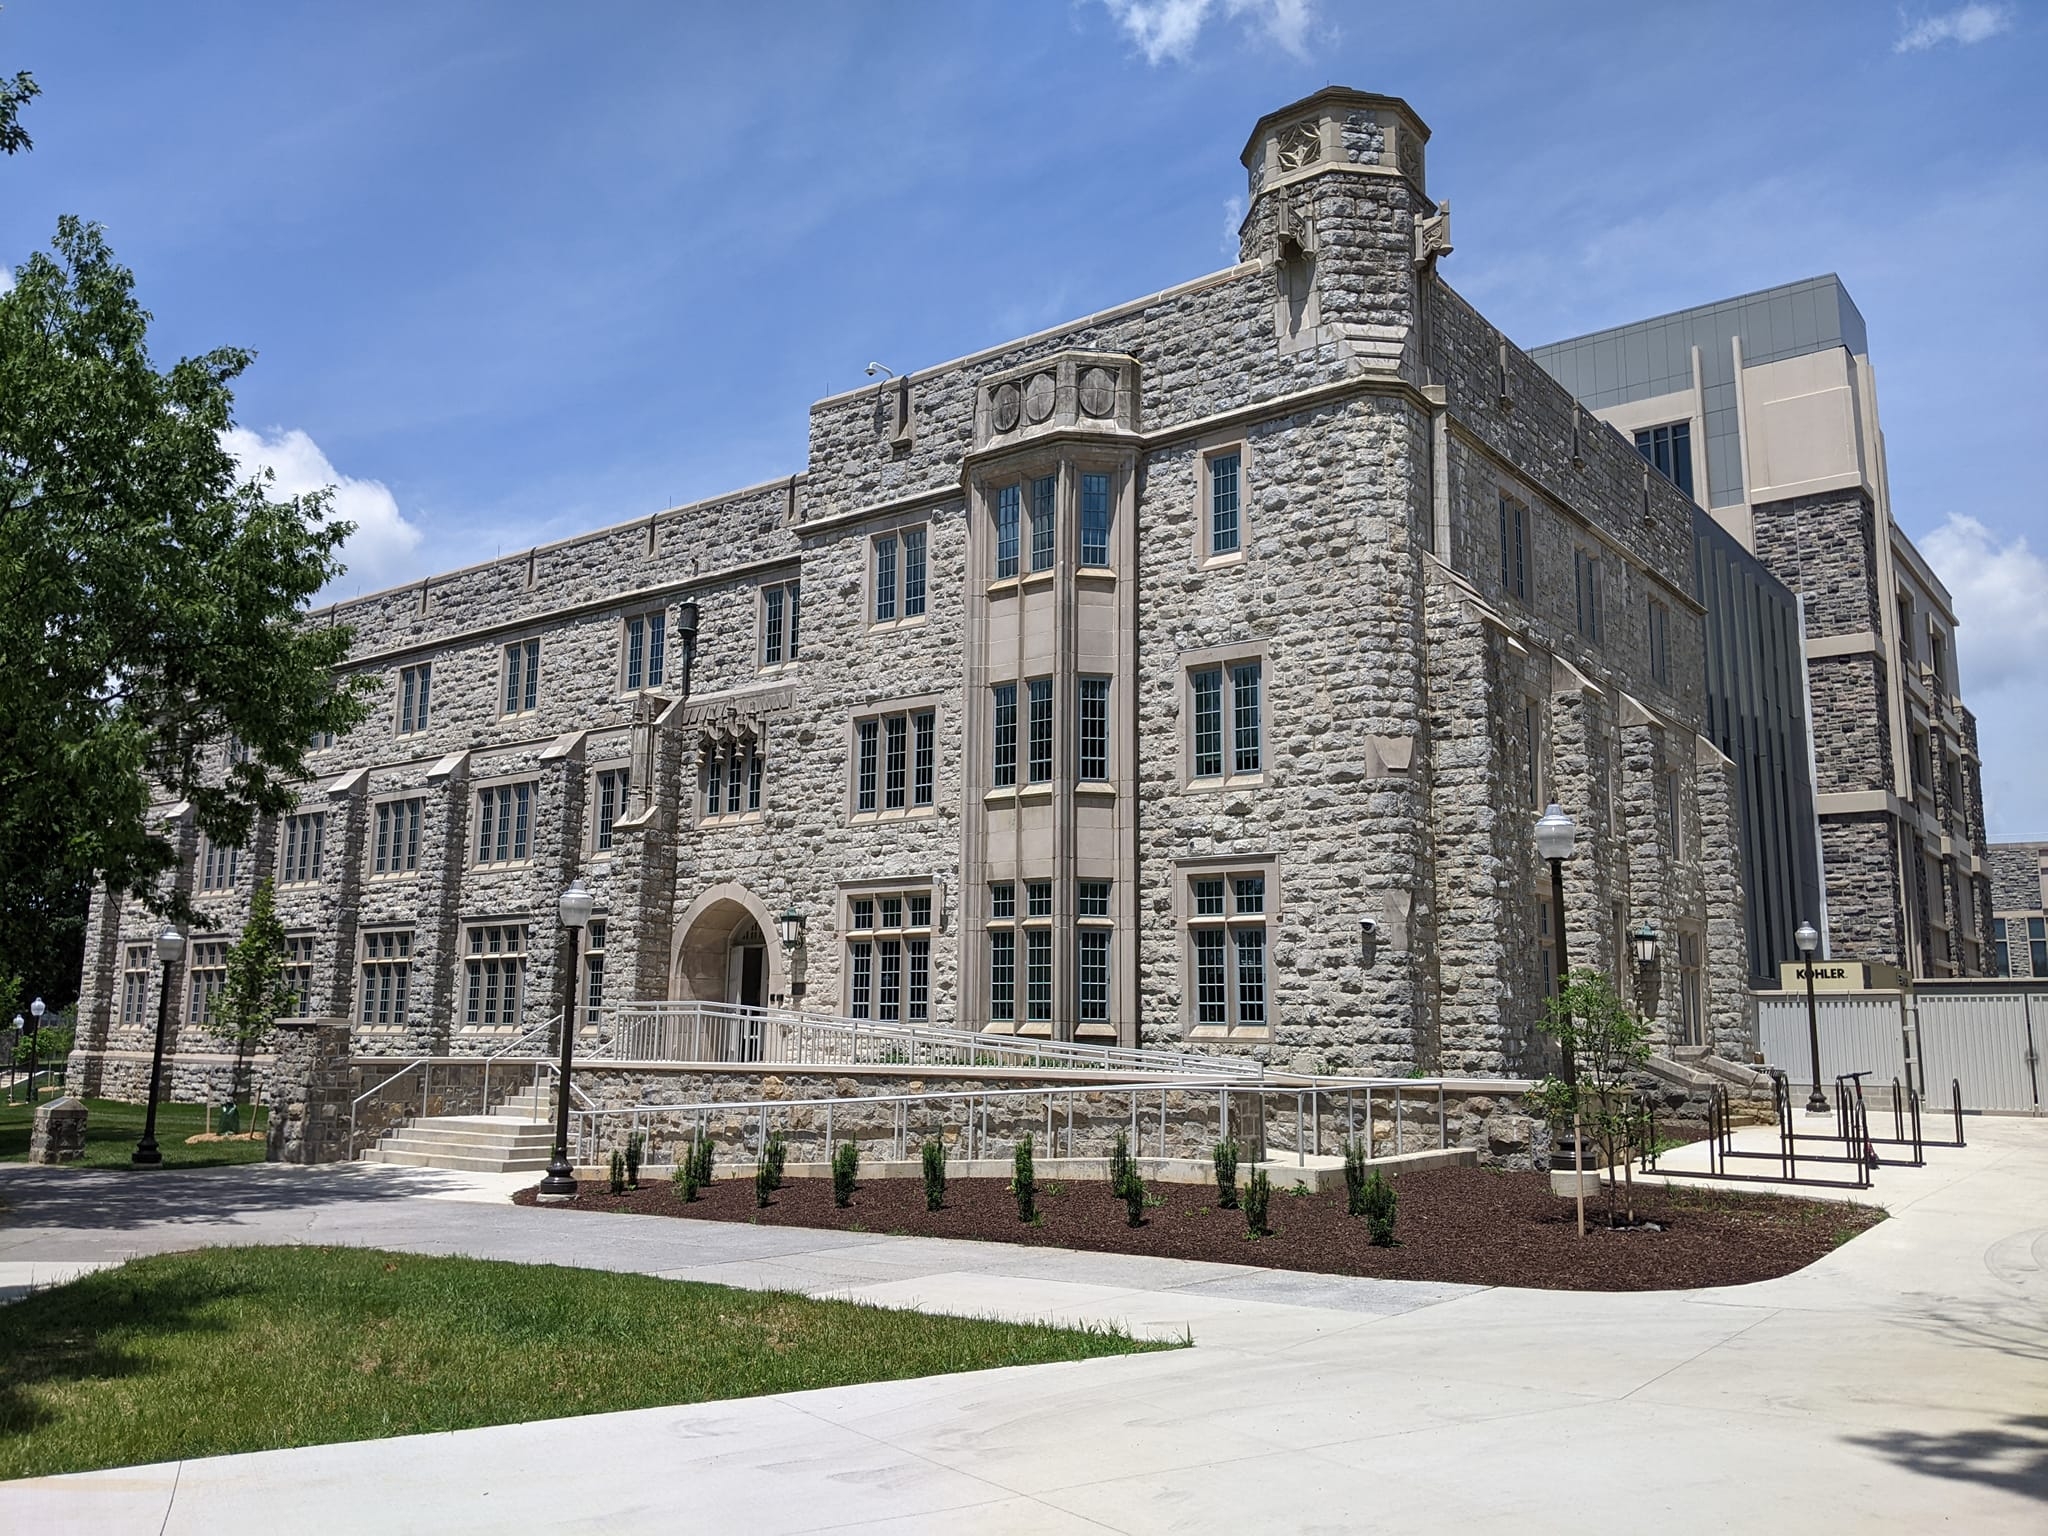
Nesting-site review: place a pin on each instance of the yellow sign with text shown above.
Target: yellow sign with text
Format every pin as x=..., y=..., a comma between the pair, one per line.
x=1839, y=976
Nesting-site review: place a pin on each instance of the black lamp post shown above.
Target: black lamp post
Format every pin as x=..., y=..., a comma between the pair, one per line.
x=1556, y=835
x=35, y=1046
x=1807, y=939
x=170, y=944
x=560, y=1184
x=13, y=1049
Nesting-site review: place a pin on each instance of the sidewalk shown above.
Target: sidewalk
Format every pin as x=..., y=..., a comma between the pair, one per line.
x=1900, y=1383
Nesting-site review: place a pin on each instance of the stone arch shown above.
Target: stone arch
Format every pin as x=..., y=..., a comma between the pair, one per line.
x=701, y=966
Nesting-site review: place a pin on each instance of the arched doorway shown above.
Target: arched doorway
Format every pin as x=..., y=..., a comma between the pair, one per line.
x=722, y=952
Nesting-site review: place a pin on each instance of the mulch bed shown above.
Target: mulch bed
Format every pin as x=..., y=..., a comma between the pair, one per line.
x=1472, y=1226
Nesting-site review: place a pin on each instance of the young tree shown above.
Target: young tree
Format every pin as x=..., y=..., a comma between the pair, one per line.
x=1607, y=1045
x=155, y=601
x=254, y=993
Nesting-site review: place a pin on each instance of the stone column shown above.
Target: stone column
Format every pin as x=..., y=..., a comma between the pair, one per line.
x=310, y=1092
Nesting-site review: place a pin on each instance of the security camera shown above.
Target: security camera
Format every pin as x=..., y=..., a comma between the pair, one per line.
x=1368, y=926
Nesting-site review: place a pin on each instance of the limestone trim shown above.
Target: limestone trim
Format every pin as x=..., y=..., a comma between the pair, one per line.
x=556, y=618
x=705, y=908
x=1859, y=642
x=1210, y=449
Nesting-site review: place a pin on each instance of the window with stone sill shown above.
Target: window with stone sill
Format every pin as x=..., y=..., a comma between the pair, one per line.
x=889, y=955
x=1226, y=712
x=522, y=677
x=594, y=936
x=733, y=772
x=1660, y=643
x=494, y=967
x=1226, y=920
x=608, y=804
x=209, y=974
x=1589, y=602
x=298, y=974
x=504, y=823
x=219, y=867
x=135, y=967
x=415, y=685
x=897, y=576
x=1514, y=547
x=895, y=763
x=305, y=846
x=385, y=979
x=1223, y=522
x=395, y=837
x=781, y=609
x=1092, y=936
x=643, y=658
x=2037, y=945
x=1030, y=931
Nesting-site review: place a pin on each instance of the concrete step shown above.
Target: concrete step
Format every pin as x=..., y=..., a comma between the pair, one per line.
x=457, y=1162
x=406, y=1141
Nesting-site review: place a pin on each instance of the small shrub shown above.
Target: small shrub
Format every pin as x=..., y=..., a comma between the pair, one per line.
x=1024, y=1182
x=845, y=1164
x=776, y=1153
x=1119, y=1164
x=701, y=1152
x=1258, y=1195
x=1226, y=1173
x=1376, y=1204
x=618, y=1172
x=1134, y=1198
x=684, y=1179
x=1354, y=1177
x=764, y=1180
x=636, y=1144
x=934, y=1154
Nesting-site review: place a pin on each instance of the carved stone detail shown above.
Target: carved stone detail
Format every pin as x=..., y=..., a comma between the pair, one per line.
x=1098, y=392
x=1004, y=405
x=1039, y=396
x=1301, y=145
x=1433, y=235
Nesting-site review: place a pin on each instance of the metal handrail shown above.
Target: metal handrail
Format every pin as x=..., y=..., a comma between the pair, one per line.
x=424, y=1065
x=586, y=1132
x=722, y=1033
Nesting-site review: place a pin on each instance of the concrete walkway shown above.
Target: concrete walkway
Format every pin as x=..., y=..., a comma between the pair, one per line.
x=1899, y=1384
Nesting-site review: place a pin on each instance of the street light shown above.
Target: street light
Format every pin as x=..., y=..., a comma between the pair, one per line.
x=560, y=1184
x=170, y=944
x=1556, y=834
x=35, y=1046
x=1807, y=939
x=13, y=1046
x=1645, y=941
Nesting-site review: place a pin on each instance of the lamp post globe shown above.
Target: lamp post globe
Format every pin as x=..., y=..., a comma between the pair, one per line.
x=1556, y=833
x=574, y=910
x=1808, y=939
x=170, y=948
x=35, y=1046
x=1556, y=836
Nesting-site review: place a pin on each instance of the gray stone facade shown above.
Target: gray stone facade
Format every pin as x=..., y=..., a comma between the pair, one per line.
x=1413, y=688
x=2019, y=908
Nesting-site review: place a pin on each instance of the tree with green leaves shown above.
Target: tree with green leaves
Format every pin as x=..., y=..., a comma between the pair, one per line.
x=14, y=95
x=254, y=993
x=1607, y=1045
x=157, y=648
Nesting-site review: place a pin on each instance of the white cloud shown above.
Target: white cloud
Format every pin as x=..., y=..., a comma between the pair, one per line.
x=1233, y=223
x=1962, y=26
x=1168, y=29
x=378, y=554
x=2001, y=596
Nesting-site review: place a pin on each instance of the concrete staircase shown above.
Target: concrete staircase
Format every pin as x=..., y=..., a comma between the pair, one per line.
x=516, y=1137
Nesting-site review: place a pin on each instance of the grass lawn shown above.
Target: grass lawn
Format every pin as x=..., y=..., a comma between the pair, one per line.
x=112, y=1129
x=247, y=1349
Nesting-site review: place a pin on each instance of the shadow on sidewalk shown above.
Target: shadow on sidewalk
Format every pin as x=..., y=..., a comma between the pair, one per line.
x=2012, y=1456
x=114, y=1199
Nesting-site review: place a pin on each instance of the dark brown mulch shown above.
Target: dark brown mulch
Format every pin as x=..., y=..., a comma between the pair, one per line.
x=1468, y=1225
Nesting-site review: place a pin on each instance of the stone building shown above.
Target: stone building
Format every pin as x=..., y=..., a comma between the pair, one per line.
x=2019, y=909
x=1191, y=672
x=1764, y=408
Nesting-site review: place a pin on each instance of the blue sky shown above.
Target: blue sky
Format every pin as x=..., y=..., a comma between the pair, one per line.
x=513, y=270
